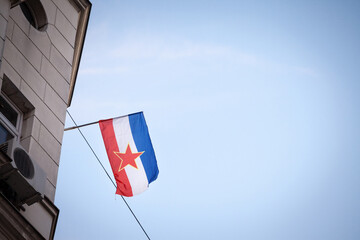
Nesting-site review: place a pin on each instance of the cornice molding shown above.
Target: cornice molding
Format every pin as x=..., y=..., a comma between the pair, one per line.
x=84, y=7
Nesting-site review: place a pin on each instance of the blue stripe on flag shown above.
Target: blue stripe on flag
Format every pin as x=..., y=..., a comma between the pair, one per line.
x=143, y=143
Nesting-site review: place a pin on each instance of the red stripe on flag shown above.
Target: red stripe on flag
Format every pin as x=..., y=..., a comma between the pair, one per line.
x=108, y=134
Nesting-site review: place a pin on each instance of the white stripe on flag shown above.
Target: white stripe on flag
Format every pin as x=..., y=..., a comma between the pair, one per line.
x=123, y=135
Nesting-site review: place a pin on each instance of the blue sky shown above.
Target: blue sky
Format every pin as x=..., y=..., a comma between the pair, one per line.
x=253, y=110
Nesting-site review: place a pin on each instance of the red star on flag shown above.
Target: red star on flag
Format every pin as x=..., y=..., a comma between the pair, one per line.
x=128, y=158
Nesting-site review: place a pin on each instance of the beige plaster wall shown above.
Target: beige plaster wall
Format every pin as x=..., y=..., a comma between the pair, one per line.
x=39, y=63
x=4, y=16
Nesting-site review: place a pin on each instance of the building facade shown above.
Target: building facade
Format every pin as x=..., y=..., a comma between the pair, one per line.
x=41, y=43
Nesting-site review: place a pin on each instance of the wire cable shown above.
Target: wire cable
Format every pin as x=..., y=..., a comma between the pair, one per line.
x=97, y=156
x=107, y=174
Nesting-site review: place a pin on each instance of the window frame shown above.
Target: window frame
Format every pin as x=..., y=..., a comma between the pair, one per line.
x=15, y=130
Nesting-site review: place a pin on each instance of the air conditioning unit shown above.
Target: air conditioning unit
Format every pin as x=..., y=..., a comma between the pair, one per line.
x=23, y=175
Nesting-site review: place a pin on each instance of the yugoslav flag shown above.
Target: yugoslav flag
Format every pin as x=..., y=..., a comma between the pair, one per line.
x=130, y=152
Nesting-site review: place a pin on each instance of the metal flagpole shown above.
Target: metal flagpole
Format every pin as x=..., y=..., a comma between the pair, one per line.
x=87, y=124
x=74, y=127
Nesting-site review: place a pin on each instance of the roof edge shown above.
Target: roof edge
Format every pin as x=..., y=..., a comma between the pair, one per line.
x=85, y=8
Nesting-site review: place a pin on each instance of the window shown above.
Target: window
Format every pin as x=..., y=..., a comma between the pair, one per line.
x=34, y=12
x=10, y=120
x=28, y=14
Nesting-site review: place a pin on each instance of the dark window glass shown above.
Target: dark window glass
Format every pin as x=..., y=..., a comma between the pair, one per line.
x=8, y=111
x=28, y=14
x=5, y=135
x=34, y=12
